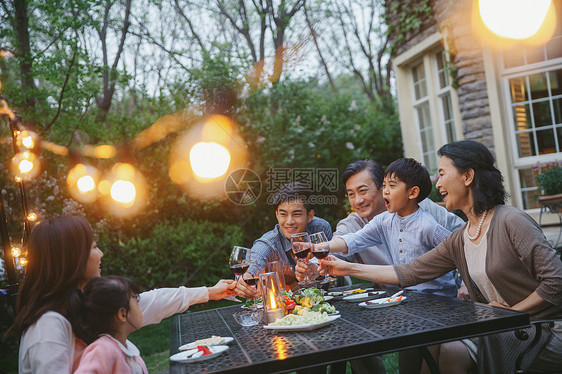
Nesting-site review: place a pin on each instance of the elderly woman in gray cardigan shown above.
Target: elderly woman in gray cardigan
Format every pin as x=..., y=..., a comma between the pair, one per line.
x=502, y=256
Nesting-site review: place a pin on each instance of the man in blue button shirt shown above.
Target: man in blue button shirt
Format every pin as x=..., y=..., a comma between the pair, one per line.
x=294, y=214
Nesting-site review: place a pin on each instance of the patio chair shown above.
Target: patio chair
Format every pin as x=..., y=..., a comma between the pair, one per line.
x=523, y=335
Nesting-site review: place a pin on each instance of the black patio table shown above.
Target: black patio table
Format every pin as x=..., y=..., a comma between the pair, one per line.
x=420, y=320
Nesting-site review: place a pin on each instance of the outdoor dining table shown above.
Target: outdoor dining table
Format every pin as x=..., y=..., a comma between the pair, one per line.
x=421, y=320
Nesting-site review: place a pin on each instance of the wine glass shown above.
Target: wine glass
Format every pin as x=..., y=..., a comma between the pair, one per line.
x=320, y=251
x=239, y=263
x=301, y=247
x=252, y=280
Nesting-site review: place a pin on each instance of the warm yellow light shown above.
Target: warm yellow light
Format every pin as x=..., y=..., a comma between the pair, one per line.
x=209, y=160
x=280, y=348
x=25, y=166
x=16, y=252
x=272, y=302
x=86, y=184
x=23, y=261
x=81, y=181
x=32, y=217
x=514, y=19
x=123, y=192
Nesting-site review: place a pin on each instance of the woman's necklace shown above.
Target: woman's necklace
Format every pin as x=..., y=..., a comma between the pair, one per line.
x=478, y=229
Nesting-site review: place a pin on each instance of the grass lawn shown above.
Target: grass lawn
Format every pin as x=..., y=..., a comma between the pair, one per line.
x=154, y=343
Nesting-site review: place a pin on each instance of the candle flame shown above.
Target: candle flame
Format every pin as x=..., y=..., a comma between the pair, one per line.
x=272, y=301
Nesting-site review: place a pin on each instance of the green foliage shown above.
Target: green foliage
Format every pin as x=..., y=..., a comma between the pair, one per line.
x=172, y=253
x=549, y=178
x=405, y=17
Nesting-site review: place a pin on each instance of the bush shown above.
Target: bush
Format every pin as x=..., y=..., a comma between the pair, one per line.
x=172, y=254
x=549, y=178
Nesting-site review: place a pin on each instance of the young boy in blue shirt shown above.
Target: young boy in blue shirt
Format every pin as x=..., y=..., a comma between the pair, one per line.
x=405, y=229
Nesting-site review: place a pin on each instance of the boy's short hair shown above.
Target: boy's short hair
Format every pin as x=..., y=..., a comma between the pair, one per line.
x=294, y=191
x=413, y=174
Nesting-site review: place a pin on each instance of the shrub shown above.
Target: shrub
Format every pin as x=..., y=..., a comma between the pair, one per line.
x=174, y=253
x=549, y=178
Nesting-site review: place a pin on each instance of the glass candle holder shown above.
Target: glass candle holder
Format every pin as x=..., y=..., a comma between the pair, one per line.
x=277, y=267
x=273, y=305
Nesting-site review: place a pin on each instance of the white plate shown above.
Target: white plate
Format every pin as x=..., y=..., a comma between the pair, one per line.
x=358, y=297
x=381, y=303
x=328, y=298
x=182, y=356
x=314, y=326
x=226, y=340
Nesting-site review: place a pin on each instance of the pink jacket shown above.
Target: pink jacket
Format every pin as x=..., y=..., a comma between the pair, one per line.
x=105, y=356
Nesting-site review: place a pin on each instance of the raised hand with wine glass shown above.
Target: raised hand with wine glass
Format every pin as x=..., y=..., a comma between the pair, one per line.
x=301, y=248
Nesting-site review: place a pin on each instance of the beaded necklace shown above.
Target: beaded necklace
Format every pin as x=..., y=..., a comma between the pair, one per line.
x=479, y=227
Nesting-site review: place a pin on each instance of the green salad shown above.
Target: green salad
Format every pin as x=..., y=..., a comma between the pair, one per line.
x=251, y=302
x=307, y=318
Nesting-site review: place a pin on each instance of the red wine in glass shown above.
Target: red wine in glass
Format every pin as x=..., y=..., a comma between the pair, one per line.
x=239, y=269
x=251, y=281
x=320, y=254
x=302, y=254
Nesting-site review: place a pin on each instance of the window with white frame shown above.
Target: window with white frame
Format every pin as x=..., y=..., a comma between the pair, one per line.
x=533, y=77
x=432, y=89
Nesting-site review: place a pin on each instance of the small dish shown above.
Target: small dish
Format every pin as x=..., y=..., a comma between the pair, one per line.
x=185, y=356
x=248, y=317
x=358, y=297
x=224, y=341
x=328, y=298
x=382, y=303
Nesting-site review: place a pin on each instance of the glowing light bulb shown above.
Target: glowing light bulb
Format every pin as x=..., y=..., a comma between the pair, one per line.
x=81, y=181
x=16, y=252
x=514, y=19
x=123, y=192
x=209, y=160
x=23, y=262
x=32, y=217
x=25, y=165
x=26, y=139
x=86, y=184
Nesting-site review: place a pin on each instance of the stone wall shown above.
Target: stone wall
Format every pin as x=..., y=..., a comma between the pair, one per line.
x=453, y=19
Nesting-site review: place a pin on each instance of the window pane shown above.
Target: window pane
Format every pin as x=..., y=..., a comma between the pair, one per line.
x=539, y=89
x=528, y=189
x=518, y=90
x=423, y=116
x=557, y=104
x=559, y=136
x=513, y=57
x=522, y=117
x=526, y=144
x=541, y=114
x=545, y=140
x=555, y=78
x=419, y=81
x=441, y=71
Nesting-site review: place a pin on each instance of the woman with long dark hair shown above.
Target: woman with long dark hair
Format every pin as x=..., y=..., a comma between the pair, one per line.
x=62, y=258
x=502, y=256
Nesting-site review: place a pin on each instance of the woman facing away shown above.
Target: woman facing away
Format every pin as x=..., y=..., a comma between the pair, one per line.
x=63, y=257
x=502, y=256
x=103, y=316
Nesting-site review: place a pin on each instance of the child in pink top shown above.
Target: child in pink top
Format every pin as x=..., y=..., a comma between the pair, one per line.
x=103, y=317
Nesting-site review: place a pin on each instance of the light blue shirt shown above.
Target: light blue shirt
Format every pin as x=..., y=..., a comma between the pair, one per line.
x=274, y=245
x=405, y=238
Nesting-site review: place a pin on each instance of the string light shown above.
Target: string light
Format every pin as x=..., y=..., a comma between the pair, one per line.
x=25, y=165
x=26, y=139
x=16, y=252
x=32, y=217
x=82, y=181
x=123, y=190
